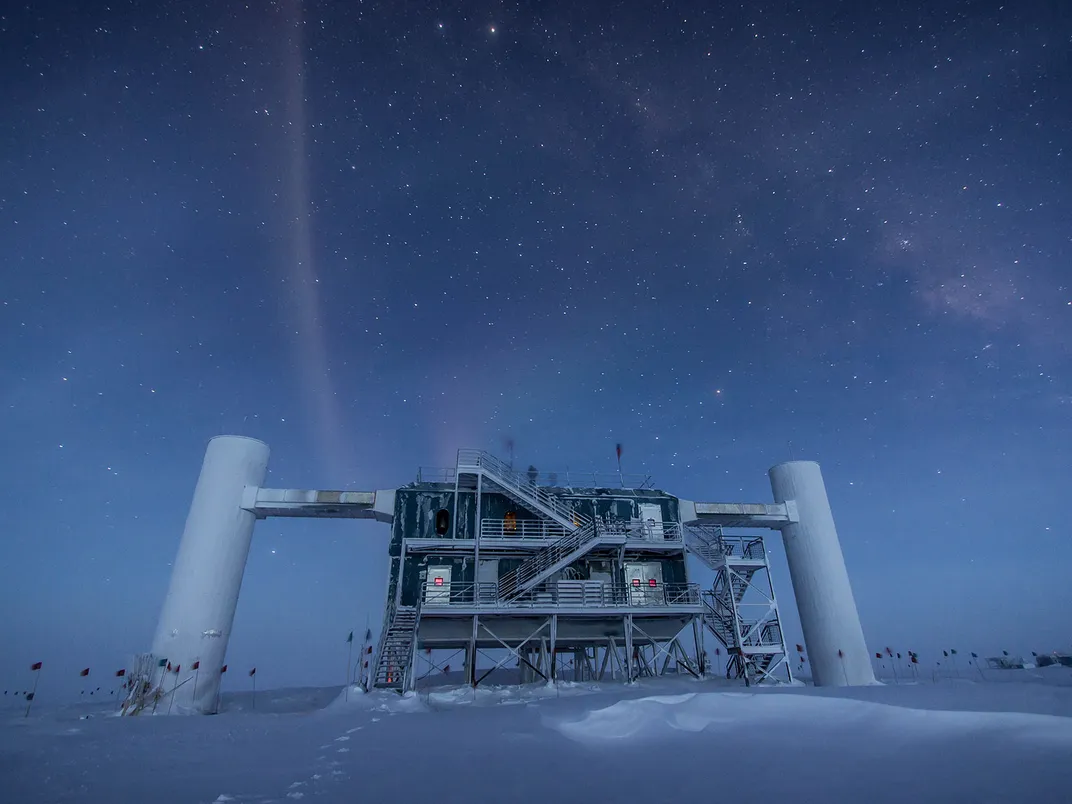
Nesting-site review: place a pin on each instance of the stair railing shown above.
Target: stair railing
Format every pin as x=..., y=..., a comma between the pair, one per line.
x=517, y=482
x=513, y=582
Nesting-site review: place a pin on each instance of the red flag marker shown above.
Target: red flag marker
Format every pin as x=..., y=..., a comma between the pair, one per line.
x=800, y=648
x=35, y=666
x=223, y=669
x=84, y=673
x=253, y=672
x=120, y=673
x=196, y=665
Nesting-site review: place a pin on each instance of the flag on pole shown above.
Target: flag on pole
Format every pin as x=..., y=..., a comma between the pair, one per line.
x=800, y=648
x=162, y=663
x=253, y=672
x=350, y=638
x=975, y=655
x=953, y=651
x=914, y=659
x=889, y=652
x=945, y=653
x=368, y=634
x=223, y=669
x=84, y=673
x=878, y=655
x=178, y=667
x=120, y=673
x=35, y=666
x=196, y=665
x=841, y=654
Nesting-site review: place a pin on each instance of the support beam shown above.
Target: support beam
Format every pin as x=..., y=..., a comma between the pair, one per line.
x=471, y=669
x=737, y=515
x=377, y=505
x=554, y=653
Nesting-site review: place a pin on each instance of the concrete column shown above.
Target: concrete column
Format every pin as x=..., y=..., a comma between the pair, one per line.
x=198, y=613
x=820, y=581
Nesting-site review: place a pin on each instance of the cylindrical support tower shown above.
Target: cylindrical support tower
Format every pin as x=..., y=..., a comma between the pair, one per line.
x=195, y=624
x=832, y=632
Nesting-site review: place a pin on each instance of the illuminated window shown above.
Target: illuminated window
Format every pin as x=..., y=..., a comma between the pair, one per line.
x=437, y=582
x=510, y=522
x=652, y=582
x=442, y=522
x=636, y=581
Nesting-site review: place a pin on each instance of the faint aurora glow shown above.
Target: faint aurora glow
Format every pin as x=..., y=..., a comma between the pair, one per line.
x=303, y=306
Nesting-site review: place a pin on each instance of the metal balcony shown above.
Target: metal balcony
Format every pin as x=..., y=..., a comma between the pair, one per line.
x=594, y=595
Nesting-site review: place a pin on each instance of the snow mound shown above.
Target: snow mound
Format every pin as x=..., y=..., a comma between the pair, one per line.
x=659, y=717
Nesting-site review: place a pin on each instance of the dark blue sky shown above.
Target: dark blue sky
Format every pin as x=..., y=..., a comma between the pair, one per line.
x=372, y=233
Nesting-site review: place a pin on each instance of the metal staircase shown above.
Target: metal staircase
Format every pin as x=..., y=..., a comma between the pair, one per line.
x=705, y=542
x=394, y=662
x=519, y=488
x=749, y=630
x=555, y=557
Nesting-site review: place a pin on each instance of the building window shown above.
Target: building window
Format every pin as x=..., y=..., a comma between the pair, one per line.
x=510, y=522
x=442, y=522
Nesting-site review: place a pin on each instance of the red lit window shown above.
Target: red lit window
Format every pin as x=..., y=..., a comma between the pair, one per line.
x=636, y=581
x=651, y=582
x=438, y=582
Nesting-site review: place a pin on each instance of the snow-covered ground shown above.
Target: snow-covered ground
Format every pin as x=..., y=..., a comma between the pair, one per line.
x=1008, y=739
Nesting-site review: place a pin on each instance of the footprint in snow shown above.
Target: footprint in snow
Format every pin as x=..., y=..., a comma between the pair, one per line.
x=357, y=728
x=296, y=784
x=295, y=795
x=342, y=739
x=343, y=751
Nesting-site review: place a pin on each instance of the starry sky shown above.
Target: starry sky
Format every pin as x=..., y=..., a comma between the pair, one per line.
x=370, y=233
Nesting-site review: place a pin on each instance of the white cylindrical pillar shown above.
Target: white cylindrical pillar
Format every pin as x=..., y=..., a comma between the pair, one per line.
x=820, y=581
x=195, y=623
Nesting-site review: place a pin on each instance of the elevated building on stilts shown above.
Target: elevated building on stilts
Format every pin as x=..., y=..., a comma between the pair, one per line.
x=559, y=576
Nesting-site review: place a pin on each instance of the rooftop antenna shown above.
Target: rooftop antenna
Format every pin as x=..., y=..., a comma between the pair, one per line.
x=618, y=449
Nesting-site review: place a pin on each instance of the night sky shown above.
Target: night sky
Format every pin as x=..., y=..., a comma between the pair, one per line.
x=371, y=233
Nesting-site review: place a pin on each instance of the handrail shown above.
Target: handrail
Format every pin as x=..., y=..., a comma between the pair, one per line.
x=634, y=529
x=537, y=529
x=436, y=474
x=408, y=681
x=573, y=479
x=584, y=594
x=641, y=530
